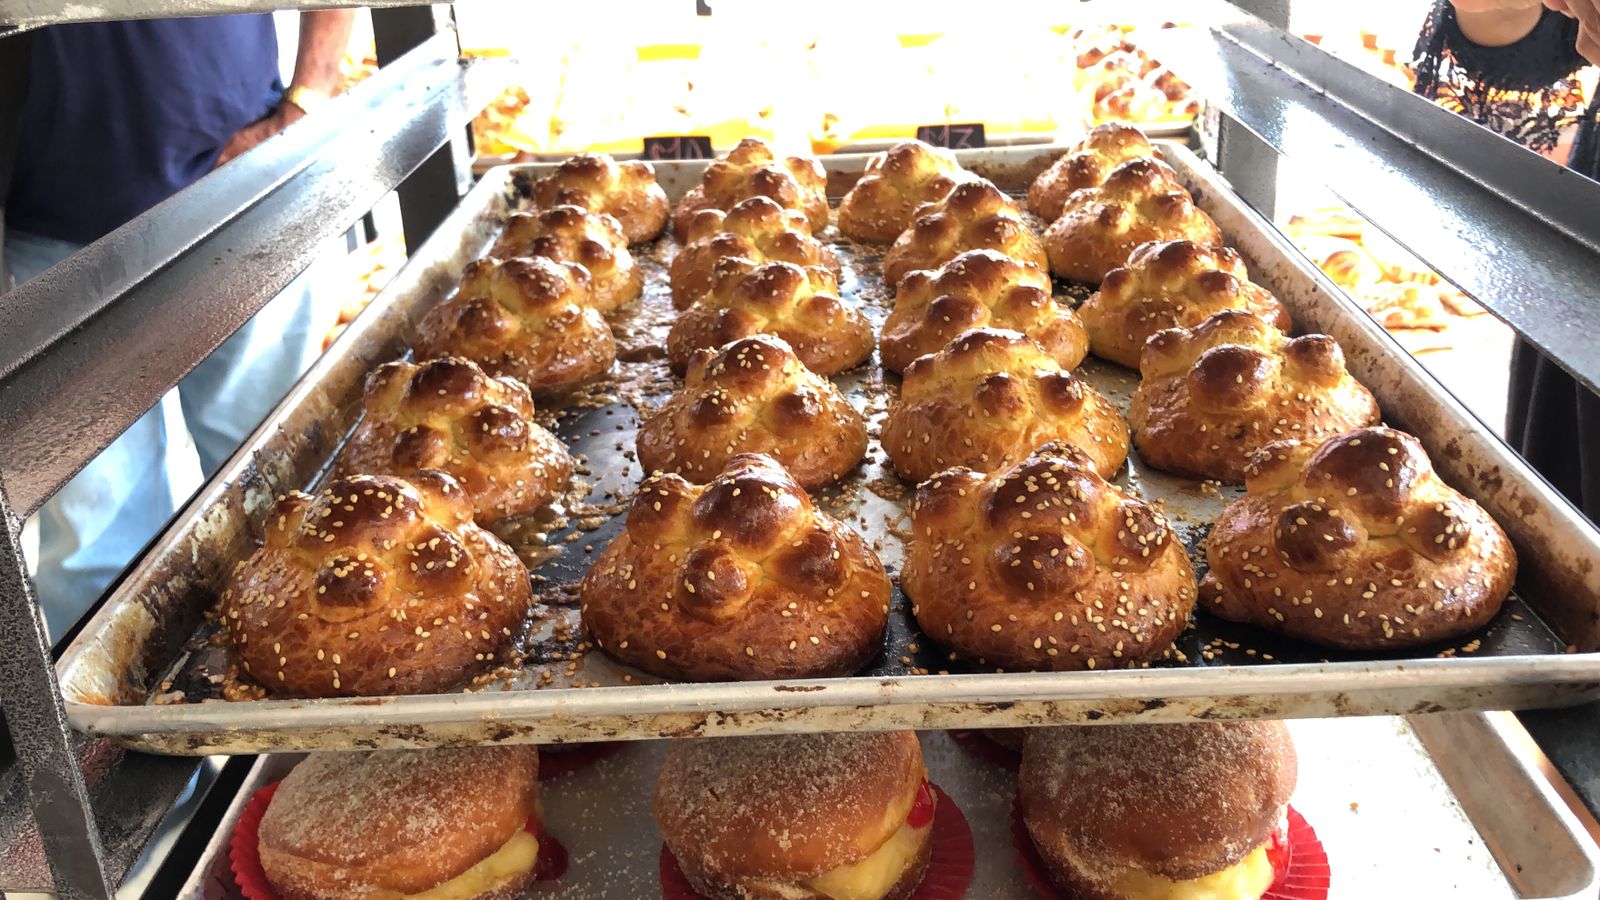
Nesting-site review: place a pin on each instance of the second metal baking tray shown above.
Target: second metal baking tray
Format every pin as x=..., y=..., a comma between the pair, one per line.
x=143, y=671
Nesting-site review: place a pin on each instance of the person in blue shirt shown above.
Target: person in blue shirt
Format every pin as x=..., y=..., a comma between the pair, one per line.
x=118, y=117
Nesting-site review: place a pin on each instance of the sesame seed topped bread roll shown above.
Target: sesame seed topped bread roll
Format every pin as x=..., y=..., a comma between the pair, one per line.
x=529, y=318
x=754, y=396
x=1140, y=201
x=973, y=216
x=1155, y=812
x=987, y=401
x=1045, y=566
x=568, y=234
x=400, y=823
x=377, y=585
x=979, y=288
x=1210, y=396
x=797, y=817
x=600, y=184
x=800, y=305
x=1176, y=284
x=753, y=169
x=742, y=579
x=448, y=414
x=897, y=181
x=1086, y=166
x=756, y=229
x=1356, y=542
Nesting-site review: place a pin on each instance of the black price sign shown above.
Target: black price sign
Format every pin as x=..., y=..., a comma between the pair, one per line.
x=689, y=146
x=953, y=137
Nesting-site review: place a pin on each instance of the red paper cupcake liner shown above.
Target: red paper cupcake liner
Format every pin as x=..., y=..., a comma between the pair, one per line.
x=557, y=763
x=1305, y=876
x=980, y=745
x=950, y=859
x=244, y=849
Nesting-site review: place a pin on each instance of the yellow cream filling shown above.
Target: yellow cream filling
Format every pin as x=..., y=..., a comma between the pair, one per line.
x=872, y=878
x=512, y=860
x=1247, y=879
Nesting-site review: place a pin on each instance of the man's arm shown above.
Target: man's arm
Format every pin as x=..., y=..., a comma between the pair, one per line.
x=324, y=36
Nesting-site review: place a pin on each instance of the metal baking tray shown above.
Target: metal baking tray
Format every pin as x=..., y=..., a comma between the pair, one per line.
x=1438, y=807
x=141, y=663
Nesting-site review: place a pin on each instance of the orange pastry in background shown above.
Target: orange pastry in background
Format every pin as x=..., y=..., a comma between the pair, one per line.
x=1140, y=201
x=973, y=216
x=757, y=229
x=753, y=169
x=1085, y=166
x=895, y=184
x=600, y=184
x=568, y=234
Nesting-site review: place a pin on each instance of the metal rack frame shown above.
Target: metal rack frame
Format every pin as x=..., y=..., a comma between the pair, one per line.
x=124, y=314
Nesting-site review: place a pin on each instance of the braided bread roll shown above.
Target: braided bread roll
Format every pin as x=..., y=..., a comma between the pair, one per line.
x=738, y=580
x=754, y=396
x=600, y=184
x=1045, y=566
x=800, y=305
x=1355, y=542
x=567, y=234
x=1170, y=285
x=753, y=169
x=1086, y=166
x=377, y=585
x=756, y=229
x=450, y=415
x=973, y=216
x=529, y=318
x=1140, y=201
x=987, y=400
x=895, y=184
x=978, y=289
x=1210, y=396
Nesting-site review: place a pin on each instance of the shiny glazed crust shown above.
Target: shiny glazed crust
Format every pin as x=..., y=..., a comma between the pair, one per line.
x=1139, y=202
x=742, y=579
x=1356, y=543
x=756, y=229
x=1210, y=396
x=800, y=305
x=378, y=585
x=754, y=396
x=448, y=414
x=568, y=234
x=1086, y=166
x=600, y=184
x=896, y=182
x=1176, y=284
x=979, y=288
x=753, y=169
x=987, y=401
x=528, y=318
x=1045, y=566
x=973, y=216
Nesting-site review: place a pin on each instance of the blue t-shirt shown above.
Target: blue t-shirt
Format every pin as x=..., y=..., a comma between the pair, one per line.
x=121, y=115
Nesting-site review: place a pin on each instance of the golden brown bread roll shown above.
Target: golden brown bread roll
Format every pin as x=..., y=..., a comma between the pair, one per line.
x=1140, y=201
x=979, y=288
x=756, y=229
x=738, y=580
x=896, y=183
x=753, y=169
x=397, y=823
x=1210, y=396
x=1170, y=285
x=1086, y=166
x=448, y=414
x=754, y=396
x=1200, y=807
x=974, y=216
x=987, y=401
x=568, y=234
x=800, y=305
x=1045, y=566
x=528, y=318
x=377, y=585
x=797, y=815
x=1356, y=543
x=600, y=184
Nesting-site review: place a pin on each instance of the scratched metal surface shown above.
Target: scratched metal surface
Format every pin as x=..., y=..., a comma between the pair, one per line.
x=139, y=668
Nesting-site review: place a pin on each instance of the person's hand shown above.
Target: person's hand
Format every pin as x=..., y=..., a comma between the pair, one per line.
x=282, y=117
x=1587, y=12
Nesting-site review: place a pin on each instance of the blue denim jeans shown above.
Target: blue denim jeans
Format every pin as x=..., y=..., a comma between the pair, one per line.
x=97, y=522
